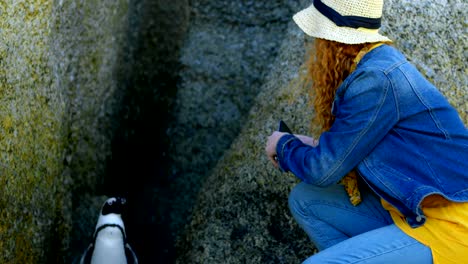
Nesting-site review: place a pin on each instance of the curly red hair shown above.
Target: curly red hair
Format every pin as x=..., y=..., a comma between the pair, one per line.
x=328, y=65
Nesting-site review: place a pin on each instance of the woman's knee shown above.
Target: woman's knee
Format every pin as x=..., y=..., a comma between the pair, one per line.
x=303, y=191
x=297, y=195
x=303, y=195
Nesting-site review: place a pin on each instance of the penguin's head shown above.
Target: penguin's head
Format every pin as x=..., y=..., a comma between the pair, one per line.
x=113, y=205
x=110, y=216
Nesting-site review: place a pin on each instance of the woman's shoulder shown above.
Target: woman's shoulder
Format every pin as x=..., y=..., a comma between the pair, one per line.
x=384, y=58
x=364, y=78
x=376, y=67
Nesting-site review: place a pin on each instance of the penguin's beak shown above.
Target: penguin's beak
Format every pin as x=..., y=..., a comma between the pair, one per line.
x=121, y=200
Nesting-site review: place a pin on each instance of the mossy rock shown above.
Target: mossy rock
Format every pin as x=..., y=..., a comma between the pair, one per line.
x=58, y=93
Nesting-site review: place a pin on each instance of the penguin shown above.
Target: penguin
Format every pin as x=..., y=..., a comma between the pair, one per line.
x=110, y=240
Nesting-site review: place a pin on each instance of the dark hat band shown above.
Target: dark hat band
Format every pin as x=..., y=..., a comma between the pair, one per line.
x=347, y=21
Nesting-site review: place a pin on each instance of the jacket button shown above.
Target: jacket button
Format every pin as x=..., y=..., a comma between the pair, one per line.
x=419, y=218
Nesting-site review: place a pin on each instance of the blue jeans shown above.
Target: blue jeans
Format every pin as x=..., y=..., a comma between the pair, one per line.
x=344, y=233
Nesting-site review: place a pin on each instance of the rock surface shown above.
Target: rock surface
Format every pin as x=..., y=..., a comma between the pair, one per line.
x=42, y=87
x=65, y=73
x=229, y=49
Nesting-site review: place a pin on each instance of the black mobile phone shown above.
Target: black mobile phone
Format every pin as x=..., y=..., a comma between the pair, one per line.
x=283, y=127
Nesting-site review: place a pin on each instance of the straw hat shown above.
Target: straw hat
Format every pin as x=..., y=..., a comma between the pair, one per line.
x=345, y=21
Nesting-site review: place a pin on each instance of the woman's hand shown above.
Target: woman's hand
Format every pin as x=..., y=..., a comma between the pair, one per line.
x=271, y=147
x=307, y=140
x=273, y=141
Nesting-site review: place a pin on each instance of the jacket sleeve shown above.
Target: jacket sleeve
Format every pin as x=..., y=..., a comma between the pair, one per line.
x=365, y=111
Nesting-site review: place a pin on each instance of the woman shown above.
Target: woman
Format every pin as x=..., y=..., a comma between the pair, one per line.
x=382, y=119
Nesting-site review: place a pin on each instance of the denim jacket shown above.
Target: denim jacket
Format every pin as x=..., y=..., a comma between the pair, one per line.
x=396, y=128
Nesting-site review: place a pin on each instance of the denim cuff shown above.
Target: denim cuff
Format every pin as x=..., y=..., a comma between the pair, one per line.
x=280, y=148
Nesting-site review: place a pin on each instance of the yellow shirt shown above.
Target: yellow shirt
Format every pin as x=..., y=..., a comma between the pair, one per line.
x=445, y=231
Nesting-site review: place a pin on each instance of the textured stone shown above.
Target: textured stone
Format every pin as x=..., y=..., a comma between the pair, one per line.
x=228, y=50
x=59, y=62
x=32, y=191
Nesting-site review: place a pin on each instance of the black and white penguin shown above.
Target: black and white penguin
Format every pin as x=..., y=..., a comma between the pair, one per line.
x=110, y=241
